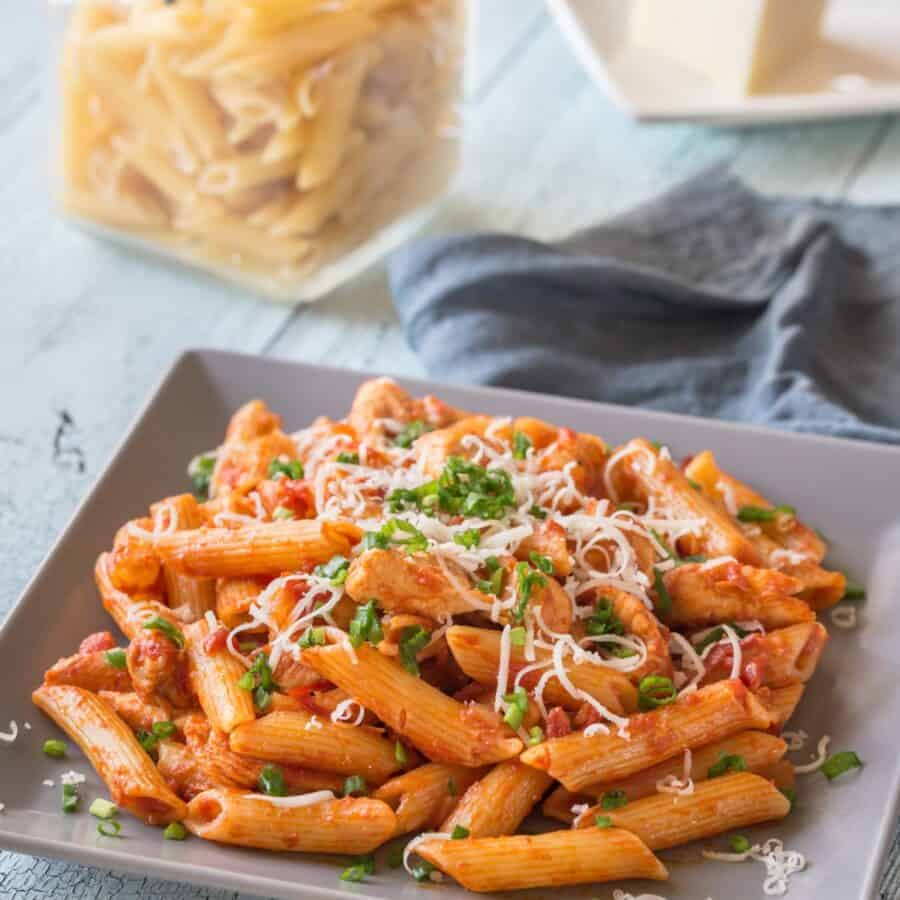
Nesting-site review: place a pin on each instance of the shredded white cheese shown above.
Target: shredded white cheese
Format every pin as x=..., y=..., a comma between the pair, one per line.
x=795, y=740
x=818, y=760
x=9, y=736
x=28, y=726
x=619, y=894
x=312, y=724
x=736, y=647
x=343, y=712
x=844, y=616
x=672, y=784
x=780, y=863
x=72, y=777
x=48, y=782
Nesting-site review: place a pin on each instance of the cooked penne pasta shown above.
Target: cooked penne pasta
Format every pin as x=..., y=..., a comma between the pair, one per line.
x=711, y=713
x=134, y=782
x=442, y=728
x=498, y=803
x=349, y=825
x=477, y=650
x=89, y=671
x=545, y=860
x=715, y=806
x=293, y=738
x=424, y=797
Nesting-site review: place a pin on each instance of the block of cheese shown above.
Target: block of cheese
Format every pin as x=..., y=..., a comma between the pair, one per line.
x=740, y=45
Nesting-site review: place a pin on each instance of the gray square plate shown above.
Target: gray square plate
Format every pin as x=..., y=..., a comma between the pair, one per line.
x=848, y=489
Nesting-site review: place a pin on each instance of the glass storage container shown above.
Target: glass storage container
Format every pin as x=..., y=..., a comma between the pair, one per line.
x=283, y=144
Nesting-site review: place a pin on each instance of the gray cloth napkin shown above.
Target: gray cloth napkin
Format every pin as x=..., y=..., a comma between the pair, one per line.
x=711, y=300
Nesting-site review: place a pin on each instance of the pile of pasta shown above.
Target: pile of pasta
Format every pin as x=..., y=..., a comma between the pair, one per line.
x=260, y=138
x=422, y=621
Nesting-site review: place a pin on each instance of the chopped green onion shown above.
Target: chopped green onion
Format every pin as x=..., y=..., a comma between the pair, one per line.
x=201, y=470
x=452, y=789
x=292, y=469
x=469, y=538
x=763, y=513
x=604, y=620
x=542, y=563
x=54, y=749
x=603, y=821
x=271, y=781
x=422, y=871
x=728, y=762
x=395, y=857
x=163, y=730
x=413, y=638
x=738, y=843
x=663, y=600
x=459, y=833
x=521, y=445
x=364, y=865
x=148, y=741
x=620, y=651
x=537, y=512
x=854, y=591
x=517, y=636
x=655, y=691
x=840, y=763
x=365, y=625
x=535, y=735
x=494, y=584
x=157, y=623
x=628, y=507
x=70, y=798
x=282, y=513
x=513, y=717
x=175, y=831
x=260, y=680
x=348, y=459
x=103, y=809
x=469, y=490
x=527, y=580
x=387, y=537
x=657, y=445
x=694, y=484
x=312, y=637
x=355, y=784
x=411, y=433
x=335, y=570
x=109, y=829
x=613, y=800
x=400, y=753
x=667, y=550
x=116, y=658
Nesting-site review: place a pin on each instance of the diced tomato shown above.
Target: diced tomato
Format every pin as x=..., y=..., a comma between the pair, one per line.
x=216, y=641
x=100, y=640
x=558, y=724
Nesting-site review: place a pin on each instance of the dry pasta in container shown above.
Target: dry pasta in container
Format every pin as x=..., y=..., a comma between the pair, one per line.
x=282, y=144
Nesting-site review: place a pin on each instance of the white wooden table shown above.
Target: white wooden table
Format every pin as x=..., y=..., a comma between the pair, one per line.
x=87, y=329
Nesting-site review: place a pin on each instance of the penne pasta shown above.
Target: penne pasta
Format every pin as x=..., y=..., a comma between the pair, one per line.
x=133, y=781
x=715, y=806
x=547, y=860
x=442, y=728
x=349, y=825
x=293, y=738
x=711, y=713
x=477, y=650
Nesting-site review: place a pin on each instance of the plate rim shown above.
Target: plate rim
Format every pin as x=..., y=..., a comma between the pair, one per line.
x=203, y=875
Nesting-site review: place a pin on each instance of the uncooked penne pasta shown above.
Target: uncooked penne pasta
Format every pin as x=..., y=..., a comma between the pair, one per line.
x=349, y=825
x=133, y=781
x=268, y=548
x=424, y=797
x=554, y=859
x=715, y=806
x=477, y=650
x=215, y=674
x=295, y=738
x=694, y=719
x=441, y=727
x=498, y=803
